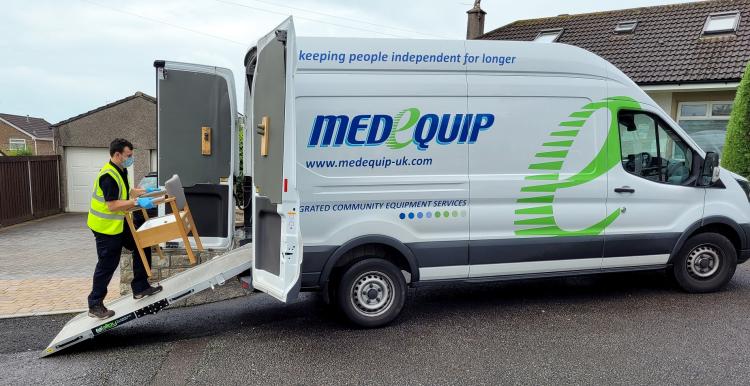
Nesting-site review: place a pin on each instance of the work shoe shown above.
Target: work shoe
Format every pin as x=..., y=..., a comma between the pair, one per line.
x=147, y=292
x=100, y=312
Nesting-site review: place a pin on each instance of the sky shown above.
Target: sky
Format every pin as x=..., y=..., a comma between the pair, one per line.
x=60, y=58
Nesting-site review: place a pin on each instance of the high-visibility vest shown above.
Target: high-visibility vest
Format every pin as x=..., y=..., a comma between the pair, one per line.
x=100, y=218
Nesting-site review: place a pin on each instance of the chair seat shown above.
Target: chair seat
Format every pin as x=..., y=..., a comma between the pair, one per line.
x=158, y=221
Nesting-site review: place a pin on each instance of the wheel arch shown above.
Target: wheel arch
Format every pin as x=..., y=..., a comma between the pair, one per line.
x=349, y=252
x=718, y=224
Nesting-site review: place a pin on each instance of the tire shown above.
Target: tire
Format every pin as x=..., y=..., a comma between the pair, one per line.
x=705, y=263
x=371, y=292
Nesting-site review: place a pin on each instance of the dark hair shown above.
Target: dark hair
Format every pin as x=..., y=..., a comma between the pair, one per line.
x=118, y=145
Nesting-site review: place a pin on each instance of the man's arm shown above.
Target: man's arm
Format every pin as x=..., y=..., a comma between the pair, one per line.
x=120, y=205
x=112, y=193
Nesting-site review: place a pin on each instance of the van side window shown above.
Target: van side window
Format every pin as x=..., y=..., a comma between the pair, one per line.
x=651, y=150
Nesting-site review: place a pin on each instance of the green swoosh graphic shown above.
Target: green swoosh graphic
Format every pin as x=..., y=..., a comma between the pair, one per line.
x=541, y=191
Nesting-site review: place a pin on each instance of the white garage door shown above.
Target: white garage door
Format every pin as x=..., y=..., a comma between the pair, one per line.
x=82, y=164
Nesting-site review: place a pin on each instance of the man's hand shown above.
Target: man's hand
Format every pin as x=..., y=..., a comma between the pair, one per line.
x=146, y=202
x=135, y=192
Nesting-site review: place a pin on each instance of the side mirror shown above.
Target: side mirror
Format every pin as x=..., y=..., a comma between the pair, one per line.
x=710, y=170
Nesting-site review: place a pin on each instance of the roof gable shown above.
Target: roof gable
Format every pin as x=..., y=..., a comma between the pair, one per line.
x=667, y=45
x=138, y=94
x=35, y=127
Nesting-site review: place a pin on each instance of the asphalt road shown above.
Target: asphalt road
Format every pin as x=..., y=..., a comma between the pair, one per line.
x=609, y=329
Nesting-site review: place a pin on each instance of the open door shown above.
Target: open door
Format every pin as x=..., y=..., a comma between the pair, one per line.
x=196, y=135
x=276, y=234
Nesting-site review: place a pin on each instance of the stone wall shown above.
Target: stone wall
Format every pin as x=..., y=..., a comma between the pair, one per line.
x=176, y=261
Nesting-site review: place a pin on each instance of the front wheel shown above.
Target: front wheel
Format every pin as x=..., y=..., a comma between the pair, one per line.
x=372, y=292
x=705, y=263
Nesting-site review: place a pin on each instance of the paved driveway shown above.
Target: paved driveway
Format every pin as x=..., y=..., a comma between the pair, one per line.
x=57, y=246
x=46, y=266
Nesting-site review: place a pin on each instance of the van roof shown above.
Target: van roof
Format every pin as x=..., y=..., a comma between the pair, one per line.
x=357, y=54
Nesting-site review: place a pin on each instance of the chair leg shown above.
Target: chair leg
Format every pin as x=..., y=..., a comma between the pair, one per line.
x=129, y=219
x=189, y=251
x=183, y=232
x=159, y=251
x=144, y=261
x=193, y=229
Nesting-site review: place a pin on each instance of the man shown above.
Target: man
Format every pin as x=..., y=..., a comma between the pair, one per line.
x=109, y=201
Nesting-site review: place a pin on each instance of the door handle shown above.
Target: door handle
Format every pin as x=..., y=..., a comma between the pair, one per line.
x=624, y=189
x=263, y=129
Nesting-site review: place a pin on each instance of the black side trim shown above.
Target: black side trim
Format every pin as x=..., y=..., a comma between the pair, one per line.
x=745, y=232
x=314, y=258
x=640, y=244
x=310, y=280
x=743, y=256
x=441, y=253
x=519, y=250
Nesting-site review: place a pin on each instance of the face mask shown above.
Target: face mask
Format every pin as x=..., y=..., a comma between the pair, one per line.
x=129, y=162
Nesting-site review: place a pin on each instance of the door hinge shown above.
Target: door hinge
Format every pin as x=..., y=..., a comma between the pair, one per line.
x=281, y=35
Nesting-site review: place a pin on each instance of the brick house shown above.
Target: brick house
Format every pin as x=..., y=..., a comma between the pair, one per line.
x=688, y=57
x=19, y=132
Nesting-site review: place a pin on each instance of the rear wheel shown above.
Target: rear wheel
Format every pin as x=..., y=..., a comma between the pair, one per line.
x=705, y=263
x=372, y=292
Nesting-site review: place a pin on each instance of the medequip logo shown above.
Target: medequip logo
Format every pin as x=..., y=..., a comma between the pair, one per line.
x=407, y=127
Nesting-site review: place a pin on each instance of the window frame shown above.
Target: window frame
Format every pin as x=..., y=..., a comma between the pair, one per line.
x=733, y=29
x=709, y=111
x=620, y=30
x=559, y=32
x=697, y=160
x=17, y=141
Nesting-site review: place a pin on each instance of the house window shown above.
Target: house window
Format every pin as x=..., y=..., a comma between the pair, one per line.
x=548, y=36
x=705, y=122
x=718, y=23
x=17, y=144
x=625, y=27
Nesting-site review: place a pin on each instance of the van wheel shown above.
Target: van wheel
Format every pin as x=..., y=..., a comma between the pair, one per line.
x=705, y=263
x=372, y=292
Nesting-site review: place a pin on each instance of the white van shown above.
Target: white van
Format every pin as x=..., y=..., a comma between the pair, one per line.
x=379, y=164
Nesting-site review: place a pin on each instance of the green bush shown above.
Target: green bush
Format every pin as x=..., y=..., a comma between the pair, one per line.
x=20, y=152
x=736, y=153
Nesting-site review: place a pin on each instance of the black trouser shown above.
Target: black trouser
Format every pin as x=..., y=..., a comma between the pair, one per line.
x=108, y=249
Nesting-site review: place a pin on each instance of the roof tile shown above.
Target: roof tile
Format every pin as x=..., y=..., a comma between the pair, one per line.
x=666, y=47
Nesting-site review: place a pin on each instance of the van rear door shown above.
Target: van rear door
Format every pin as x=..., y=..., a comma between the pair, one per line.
x=276, y=232
x=196, y=134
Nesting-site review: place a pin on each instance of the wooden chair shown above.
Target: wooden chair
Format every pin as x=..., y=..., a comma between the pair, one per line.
x=157, y=230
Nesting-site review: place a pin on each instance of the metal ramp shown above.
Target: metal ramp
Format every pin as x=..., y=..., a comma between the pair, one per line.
x=181, y=286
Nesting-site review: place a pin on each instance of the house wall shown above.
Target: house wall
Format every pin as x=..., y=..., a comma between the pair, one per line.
x=7, y=132
x=43, y=147
x=664, y=100
x=134, y=120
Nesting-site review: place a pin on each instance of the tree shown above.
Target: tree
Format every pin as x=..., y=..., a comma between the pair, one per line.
x=736, y=153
